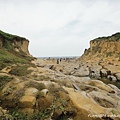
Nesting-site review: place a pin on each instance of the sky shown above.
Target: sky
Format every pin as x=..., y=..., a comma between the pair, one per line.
x=59, y=27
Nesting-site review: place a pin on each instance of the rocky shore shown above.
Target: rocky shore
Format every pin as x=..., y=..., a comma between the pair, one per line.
x=59, y=89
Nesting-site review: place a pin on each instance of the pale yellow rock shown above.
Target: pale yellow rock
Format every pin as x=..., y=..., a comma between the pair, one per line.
x=100, y=85
x=6, y=69
x=44, y=92
x=81, y=101
x=31, y=92
x=27, y=101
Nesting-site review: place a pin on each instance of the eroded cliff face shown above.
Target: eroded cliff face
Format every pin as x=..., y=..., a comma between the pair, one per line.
x=21, y=45
x=103, y=47
x=14, y=43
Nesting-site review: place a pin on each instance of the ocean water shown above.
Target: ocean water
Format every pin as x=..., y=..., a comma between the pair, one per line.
x=58, y=57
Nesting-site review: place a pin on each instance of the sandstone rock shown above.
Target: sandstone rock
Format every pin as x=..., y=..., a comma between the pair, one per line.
x=116, y=89
x=103, y=99
x=44, y=92
x=27, y=102
x=112, y=78
x=4, y=74
x=82, y=72
x=100, y=85
x=6, y=69
x=31, y=92
x=94, y=71
x=84, y=103
x=117, y=76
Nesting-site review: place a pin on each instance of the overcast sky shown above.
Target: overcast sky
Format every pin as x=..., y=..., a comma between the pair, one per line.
x=59, y=27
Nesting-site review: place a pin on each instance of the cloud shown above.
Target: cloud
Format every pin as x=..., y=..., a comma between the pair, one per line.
x=59, y=27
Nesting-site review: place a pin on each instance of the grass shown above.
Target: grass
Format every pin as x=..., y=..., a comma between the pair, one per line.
x=114, y=37
x=118, y=56
x=8, y=55
x=18, y=94
x=109, y=54
x=37, y=115
x=8, y=36
x=4, y=80
x=41, y=114
x=7, y=59
x=8, y=90
x=39, y=86
x=20, y=70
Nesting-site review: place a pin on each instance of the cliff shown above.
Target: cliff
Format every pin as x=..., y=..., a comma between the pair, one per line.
x=13, y=50
x=103, y=47
x=30, y=89
x=14, y=43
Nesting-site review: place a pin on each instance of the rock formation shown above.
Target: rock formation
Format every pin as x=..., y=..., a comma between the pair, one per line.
x=41, y=89
x=103, y=47
x=14, y=43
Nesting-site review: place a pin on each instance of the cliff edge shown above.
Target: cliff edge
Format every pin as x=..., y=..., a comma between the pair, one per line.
x=13, y=50
x=14, y=43
x=103, y=48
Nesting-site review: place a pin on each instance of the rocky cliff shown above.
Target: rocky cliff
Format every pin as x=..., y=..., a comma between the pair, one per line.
x=103, y=47
x=43, y=89
x=14, y=43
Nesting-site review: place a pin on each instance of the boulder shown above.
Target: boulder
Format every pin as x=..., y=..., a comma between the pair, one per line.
x=82, y=72
x=27, y=101
x=112, y=78
x=100, y=85
x=6, y=69
x=104, y=99
x=117, y=76
x=94, y=72
x=31, y=92
x=44, y=92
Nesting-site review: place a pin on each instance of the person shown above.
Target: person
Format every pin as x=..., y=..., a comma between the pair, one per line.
x=57, y=61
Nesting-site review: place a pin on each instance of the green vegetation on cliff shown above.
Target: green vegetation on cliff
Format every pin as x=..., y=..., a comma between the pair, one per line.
x=8, y=36
x=114, y=37
x=8, y=55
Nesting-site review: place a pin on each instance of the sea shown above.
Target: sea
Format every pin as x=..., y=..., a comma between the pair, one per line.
x=59, y=57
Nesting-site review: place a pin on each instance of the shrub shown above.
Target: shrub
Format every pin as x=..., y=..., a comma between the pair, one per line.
x=8, y=90
x=39, y=86
x=4, y=80
x=108, y=54
x=18, y=94
x=118, y=56
x=20, y=70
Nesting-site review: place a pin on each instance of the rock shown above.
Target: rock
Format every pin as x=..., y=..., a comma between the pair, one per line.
x=76, y=87
x=31, y=92
x=117, y=76
x=27, y=102
x=100, y=85
x=115, y=88
x=112, y=78
x=103, y=73
x=82, y=72
x=103, y=99
x=84, y=103
x=4, y=74
x=44, y=92
x=94, y=71
x=6, y=69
